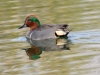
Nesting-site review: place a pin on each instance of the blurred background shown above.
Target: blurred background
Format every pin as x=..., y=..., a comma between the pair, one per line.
x=83, y=18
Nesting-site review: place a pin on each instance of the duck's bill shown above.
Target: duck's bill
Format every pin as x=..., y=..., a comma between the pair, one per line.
x=23, y=26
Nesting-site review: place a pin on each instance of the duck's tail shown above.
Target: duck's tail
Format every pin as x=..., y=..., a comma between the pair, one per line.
x=64, y=31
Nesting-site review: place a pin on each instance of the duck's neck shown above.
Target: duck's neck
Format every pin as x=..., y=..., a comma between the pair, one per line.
x=34, y=26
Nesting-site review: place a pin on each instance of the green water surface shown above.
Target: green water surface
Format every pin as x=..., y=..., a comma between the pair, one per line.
x=80, y=15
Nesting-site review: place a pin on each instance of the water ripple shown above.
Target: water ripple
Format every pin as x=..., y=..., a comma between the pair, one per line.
x=90, y=36
x=23, y=38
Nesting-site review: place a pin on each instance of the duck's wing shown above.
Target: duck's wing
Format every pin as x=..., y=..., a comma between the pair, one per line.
x=52, y=26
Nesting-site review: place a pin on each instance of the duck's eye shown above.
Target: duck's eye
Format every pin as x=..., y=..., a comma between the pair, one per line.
x=29, y=19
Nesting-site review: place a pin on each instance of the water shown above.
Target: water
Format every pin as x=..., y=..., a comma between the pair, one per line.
x=79, y=54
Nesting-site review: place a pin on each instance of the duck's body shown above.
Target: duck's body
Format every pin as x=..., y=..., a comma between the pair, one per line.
x=40, y=32
x=45, y=32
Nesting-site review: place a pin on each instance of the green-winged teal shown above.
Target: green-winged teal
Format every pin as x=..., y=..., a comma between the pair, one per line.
x=40, y=32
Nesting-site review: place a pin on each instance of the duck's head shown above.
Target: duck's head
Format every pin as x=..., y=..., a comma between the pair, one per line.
x=32, y=22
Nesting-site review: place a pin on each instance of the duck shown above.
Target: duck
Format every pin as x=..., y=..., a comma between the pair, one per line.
x=46, y=31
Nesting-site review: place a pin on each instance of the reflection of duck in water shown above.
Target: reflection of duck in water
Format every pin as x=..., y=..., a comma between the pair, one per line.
x=33, y=52
x=37, y=47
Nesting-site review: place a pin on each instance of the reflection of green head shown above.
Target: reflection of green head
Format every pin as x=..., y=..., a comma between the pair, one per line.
x=33, y=57
x=37, y=55
x=33, y=19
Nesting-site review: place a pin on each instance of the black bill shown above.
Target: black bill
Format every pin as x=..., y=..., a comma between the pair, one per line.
x=22, y=26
